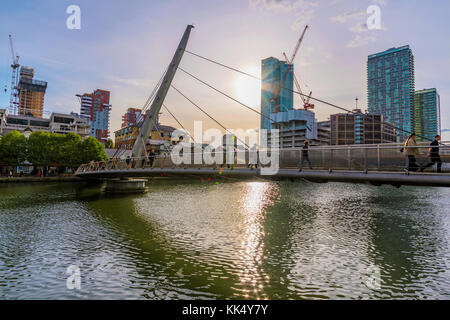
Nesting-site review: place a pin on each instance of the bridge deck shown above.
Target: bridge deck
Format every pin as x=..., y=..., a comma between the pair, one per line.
x=371, y=177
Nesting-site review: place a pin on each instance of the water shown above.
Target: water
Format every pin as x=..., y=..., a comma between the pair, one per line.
x=232, y=240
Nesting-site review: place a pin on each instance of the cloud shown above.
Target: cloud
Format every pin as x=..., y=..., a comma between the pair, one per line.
x=361, y=40
x=359, y=27
x=129, y=82
x=302, y=18
x=362, y=27
x=272, y=4
x=343, y=18
x=302, y=9
x=382, y=2
x=363, y=35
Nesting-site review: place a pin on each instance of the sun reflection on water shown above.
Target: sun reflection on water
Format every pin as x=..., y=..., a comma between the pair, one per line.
x=256, y=196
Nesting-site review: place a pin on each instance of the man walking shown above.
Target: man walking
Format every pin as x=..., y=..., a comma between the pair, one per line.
x=305, y=156
x=151, y=157
x=434, y=154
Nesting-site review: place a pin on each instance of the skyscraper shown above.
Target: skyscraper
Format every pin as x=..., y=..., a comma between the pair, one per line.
x=390, y=87
x=427, y=111
x=276, y=96
x=95, y=106
x=31, y=93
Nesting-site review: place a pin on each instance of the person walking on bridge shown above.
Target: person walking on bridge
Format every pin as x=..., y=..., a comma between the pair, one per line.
x=305, y=156
x=412, y=151
x=434, y=155
x=151, y=157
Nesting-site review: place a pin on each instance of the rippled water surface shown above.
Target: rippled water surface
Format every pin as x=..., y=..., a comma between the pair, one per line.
x=232, y=240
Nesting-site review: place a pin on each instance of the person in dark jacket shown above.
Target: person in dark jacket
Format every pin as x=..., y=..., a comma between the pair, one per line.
x=434, y=154
x=305, y=156
x=151, y=157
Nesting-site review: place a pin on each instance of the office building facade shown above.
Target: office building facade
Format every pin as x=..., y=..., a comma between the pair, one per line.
x=390, y=88
x=96, y=107
x=276, y=96
x=358, y=128
x=130, y=117
x=295, y=126
x=57, y=123
x=126, y=136
x=427, y=111
x=324, y=132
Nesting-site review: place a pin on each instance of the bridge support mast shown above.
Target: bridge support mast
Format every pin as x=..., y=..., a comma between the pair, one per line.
x=149, y=122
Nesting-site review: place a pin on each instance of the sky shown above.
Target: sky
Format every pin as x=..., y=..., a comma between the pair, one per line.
x=125, y=46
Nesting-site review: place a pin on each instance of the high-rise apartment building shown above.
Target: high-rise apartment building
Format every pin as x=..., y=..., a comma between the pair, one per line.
x=96, y=107
x=359, y=128
x=390, y=87
x=276, y=96
x=427, y=111
x=31, y=93
x=131, y=116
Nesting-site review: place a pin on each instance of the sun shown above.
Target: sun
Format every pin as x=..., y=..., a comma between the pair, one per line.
x=248, y=90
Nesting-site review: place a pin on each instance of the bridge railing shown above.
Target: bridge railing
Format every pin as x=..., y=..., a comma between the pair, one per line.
x=383, y=157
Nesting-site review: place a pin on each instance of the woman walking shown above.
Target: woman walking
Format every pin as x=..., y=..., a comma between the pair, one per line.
x=412, y=151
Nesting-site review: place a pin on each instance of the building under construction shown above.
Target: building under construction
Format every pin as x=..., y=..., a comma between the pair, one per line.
x=31, y=93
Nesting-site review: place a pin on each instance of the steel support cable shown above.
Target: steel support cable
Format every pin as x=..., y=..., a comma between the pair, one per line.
x=258, y=78
x=206, y=113
x=173, y=116
x=226, y=95
x=315, y=99
x=150, y=99
x=223, y=65
x=144, y=109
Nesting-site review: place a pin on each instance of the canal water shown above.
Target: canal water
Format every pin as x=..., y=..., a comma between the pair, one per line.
x=231, y=240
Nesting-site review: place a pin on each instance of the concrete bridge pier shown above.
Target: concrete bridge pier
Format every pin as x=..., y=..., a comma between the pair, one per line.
x=126, y=185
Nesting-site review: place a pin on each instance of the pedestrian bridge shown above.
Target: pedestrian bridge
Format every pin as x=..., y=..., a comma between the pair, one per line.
x=371, y=164
x=374, y=164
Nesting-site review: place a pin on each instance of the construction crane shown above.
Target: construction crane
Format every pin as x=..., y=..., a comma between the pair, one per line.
x=306, y=104
x=297, y=84
x=15, y=70
x=276, y=96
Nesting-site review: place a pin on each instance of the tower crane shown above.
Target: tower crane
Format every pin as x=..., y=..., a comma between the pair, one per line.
x=15, y=69
x=276, y=96
x=306, y=104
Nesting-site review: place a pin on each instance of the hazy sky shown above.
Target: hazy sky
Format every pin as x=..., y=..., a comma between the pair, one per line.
x=124, y=47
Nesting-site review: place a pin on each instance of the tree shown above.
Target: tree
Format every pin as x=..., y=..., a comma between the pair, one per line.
x=92, y=149
x=13, y=147
x=68, y=149
x=109, y=144
x=41, y=148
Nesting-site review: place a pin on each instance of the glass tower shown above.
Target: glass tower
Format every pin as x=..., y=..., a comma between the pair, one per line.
x=390, y=87
x=427, y=113
x=273, y=71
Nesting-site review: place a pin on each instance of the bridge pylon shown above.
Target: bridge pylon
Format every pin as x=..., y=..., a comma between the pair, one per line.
x=149, y=121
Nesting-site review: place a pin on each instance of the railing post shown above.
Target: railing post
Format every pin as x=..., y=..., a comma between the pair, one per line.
x=378, y=157
x=323, y=158
x=331, y=159
x=348, y=158
x=365, y=158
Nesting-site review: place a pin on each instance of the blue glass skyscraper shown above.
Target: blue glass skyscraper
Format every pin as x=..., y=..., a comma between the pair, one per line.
x=427, y=114
x=390, y=87
x=272, y=74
